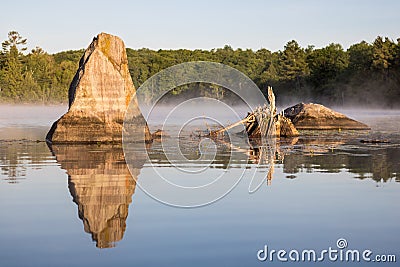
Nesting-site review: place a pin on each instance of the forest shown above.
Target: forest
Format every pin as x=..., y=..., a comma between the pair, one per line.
x=366, y=74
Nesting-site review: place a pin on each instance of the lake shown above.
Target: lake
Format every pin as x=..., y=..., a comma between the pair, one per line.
x=80, y=205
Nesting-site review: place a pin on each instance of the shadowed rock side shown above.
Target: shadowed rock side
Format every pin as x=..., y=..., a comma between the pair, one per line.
x=99, y=96
x=318, y=117
x=102, y=186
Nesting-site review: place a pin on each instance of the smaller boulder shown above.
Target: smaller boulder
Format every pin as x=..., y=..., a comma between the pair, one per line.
x=318, y=117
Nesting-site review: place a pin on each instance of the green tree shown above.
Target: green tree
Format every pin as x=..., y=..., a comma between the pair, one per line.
x=14, y=40
x=326, y=68
x=11, y=75
x=292, y=62
x=360, y=57
x=383, y=54
x=293, y=69
x=385, y=71
x=41, y=67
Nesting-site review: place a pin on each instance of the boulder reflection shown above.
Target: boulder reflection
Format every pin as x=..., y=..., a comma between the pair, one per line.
x=333, y=155
x=102, y=186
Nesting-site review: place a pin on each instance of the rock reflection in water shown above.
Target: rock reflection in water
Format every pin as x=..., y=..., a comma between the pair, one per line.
x=102, y=186
x=331, y=155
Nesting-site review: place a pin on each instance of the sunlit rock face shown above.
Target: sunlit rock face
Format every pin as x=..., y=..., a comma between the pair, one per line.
x=318, y=117
x=99, y=96
x=102, y=186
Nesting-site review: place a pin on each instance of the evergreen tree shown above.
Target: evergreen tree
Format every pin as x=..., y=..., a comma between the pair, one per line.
x=292, y=62
x=383, y=54
x=11, y=75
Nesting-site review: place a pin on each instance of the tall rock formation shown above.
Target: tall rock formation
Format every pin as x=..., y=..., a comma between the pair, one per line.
x=99, y=96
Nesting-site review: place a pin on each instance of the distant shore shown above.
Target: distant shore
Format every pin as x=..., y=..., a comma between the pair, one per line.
x=366, y=74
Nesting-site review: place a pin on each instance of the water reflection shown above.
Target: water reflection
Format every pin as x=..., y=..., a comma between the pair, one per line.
x=326, y=153
x=332, y=155
x=16, y=157
x=306, y=154
x=102, y=186
x=265, y=154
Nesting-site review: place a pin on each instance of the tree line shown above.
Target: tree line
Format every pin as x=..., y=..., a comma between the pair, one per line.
x=365, y=74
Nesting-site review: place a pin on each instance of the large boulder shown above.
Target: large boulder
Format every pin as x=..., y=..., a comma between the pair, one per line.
x=99, y=96
x=318, y=117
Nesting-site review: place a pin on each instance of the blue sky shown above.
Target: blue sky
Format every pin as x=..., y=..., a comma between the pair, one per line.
x=64, y=25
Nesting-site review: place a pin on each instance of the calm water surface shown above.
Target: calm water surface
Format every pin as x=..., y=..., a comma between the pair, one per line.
x=80, y=206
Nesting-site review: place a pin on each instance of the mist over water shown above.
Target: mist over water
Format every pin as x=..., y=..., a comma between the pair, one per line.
x=32, y=121
x=380, y=120
x=28, y=121
x=169, y=115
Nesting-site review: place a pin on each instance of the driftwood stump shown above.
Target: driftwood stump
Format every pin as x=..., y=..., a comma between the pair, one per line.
x=264, y=122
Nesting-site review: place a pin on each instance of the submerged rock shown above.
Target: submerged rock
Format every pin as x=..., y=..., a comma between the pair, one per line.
x=99, y=96
x=318, y=117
